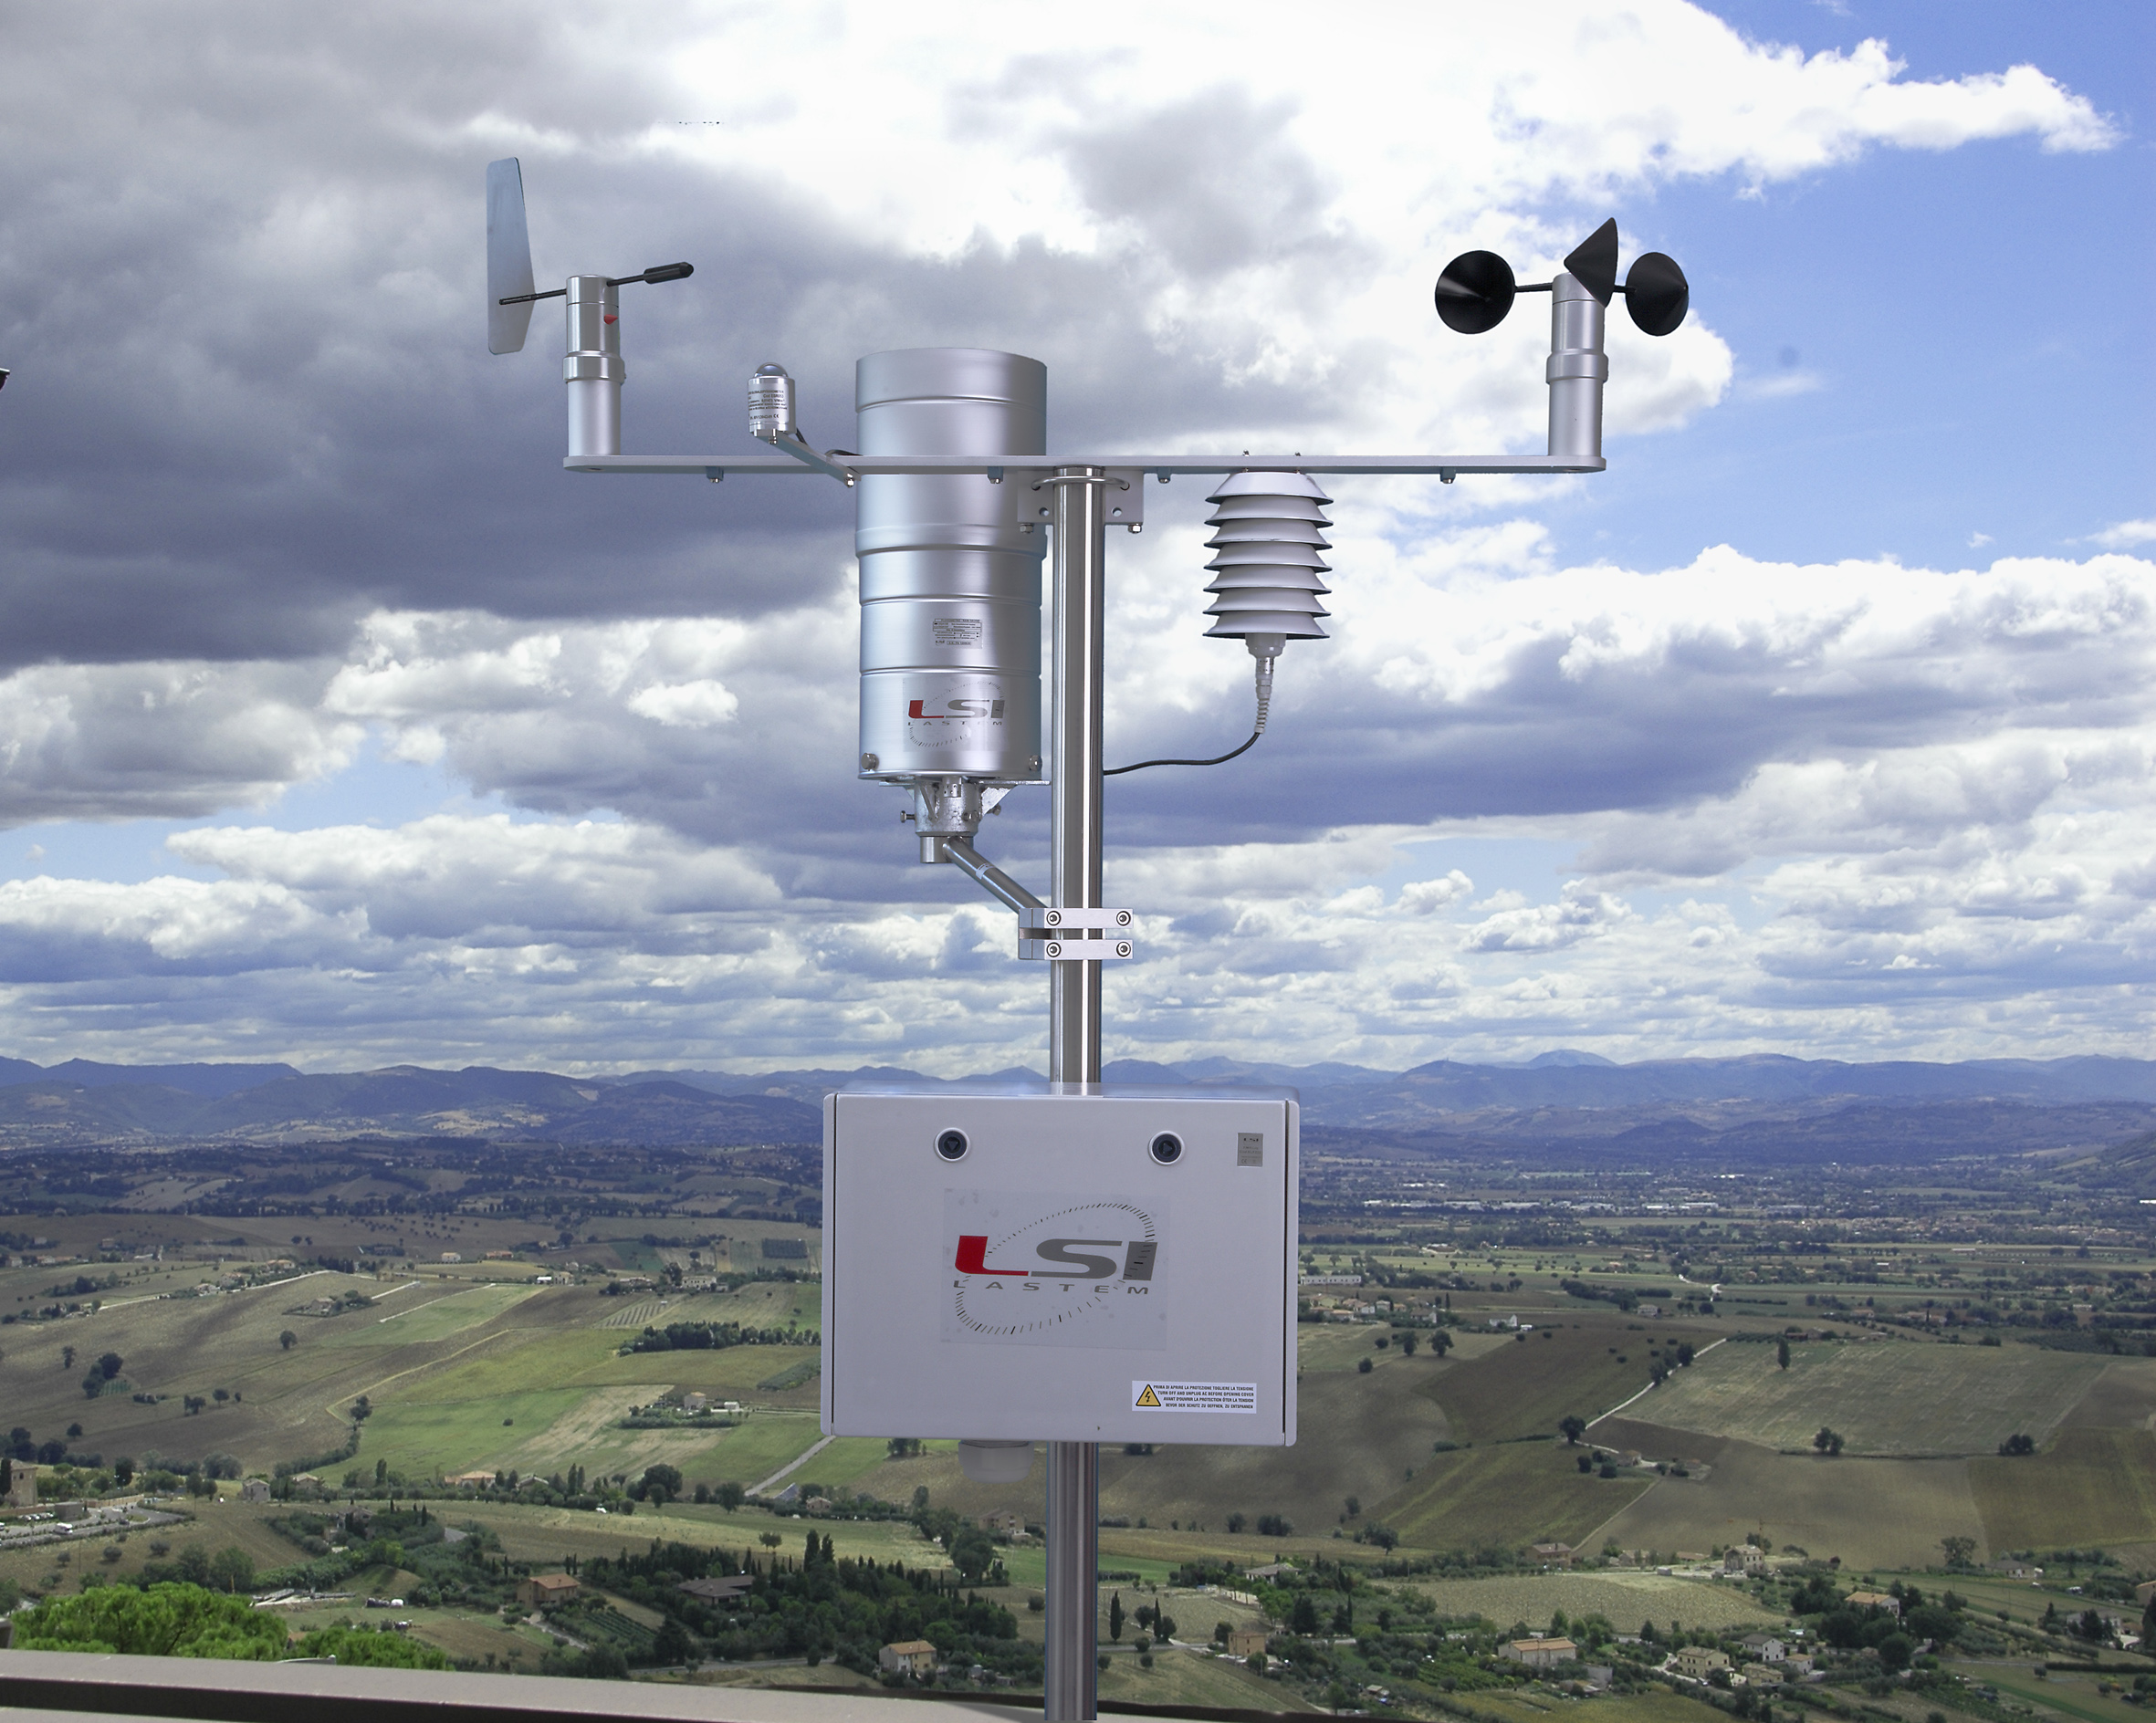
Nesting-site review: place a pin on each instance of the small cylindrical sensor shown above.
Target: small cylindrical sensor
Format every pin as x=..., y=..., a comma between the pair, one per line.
x=770, y=404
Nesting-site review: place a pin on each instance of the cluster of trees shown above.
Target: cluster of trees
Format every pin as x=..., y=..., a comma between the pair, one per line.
x=102, y=1374
x=716, y=1336
x=182, y=1619
x=815, y=1606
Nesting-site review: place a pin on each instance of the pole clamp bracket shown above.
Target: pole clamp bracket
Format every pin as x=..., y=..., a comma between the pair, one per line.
x=1074, y=935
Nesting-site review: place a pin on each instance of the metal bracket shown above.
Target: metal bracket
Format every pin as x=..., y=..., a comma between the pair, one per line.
x=1074, y=950
x=1122, y=502
x=1074, y=935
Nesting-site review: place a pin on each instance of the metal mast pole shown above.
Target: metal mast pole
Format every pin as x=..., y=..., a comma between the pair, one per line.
x=1071, y=1685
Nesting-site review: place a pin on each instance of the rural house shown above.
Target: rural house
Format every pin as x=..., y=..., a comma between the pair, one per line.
x=1745, y=1559
x=1554, y=1555
x=724, y=1589
x=1764, y=1647
x=1540, y=1653
x=542, y=1591
x=1699, y=1661
x=1876, y=1600
x=1245, y=1641
x=1760, y=1675
x=908, y=1656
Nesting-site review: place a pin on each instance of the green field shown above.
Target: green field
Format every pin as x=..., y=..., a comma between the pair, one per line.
x=1625, y=1598
x=430, y=1313
x=1901, y=1397
x=1579, y=1365
x=2092, y=1486
x=1481, y=1496
x=1869, y=1512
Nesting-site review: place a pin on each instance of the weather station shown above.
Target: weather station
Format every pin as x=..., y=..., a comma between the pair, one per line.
x=1067, y=1262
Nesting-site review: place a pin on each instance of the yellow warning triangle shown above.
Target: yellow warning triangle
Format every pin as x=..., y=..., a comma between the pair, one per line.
x=1148, y=1398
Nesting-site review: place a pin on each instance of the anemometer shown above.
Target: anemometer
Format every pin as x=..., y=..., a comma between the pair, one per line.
x=1069, y=1261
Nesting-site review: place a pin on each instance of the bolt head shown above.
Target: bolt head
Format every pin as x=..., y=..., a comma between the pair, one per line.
x=869, y=762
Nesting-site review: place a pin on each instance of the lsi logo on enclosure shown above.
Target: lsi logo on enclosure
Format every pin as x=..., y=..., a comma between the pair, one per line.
x=1042, y=1268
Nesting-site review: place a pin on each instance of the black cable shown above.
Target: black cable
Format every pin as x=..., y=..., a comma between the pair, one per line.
x=1114, y=771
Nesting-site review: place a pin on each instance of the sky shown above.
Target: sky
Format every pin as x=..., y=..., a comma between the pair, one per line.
x=339, y=724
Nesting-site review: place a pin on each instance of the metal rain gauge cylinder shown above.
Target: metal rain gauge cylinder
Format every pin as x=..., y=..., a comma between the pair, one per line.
x=950, y=587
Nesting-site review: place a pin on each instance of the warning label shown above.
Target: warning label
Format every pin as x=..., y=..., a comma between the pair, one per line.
x=1195, y=1397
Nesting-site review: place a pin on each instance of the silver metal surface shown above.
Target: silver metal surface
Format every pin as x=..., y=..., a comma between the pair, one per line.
x=991, y=879
x=770, y=404
x=1576, y=371
x=959, y=1298
x=1394, y=465
x=593, y=368
x=950, y=589
x=1070, y=1684
x=508, y=258
x=1076, y=762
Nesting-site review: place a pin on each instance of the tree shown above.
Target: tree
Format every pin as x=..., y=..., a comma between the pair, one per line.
x=1782, y=1352
x=2018, y=1445
x=662, y=1483
x=93, y=1384
x=769, y=1539
x=1572, y=1428
x=287, y=1340
x=1407, y=1346
x=1303, y=1617
x=1364, y=1366
x=973, y=1553
x=232, y=1569
x=1440, y=1342
x=165, y=1620
x=1827, y=1441
x=362, y=1409
x=729, y=1495
x=66, y=1358
x=1958, y=1550
x=1114, y=1615
x=1236, y=1522
x=381, y=1471
x=351, y=1645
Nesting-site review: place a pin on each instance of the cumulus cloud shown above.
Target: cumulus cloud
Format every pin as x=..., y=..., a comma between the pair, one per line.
x=266, y=501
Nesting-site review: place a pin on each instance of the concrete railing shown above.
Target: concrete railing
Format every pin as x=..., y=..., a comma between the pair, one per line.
x=55, y=1683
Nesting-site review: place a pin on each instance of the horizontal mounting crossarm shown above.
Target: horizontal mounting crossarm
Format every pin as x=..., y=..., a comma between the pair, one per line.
x=1162, y=465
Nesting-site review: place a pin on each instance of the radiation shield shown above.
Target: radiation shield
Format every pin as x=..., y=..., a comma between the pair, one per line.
x=1002, y=1261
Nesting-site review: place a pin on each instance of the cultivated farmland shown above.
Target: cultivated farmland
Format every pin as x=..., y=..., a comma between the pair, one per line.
x=1888, y=1397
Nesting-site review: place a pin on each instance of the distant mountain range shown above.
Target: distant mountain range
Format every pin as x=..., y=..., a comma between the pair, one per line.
x=1754, y=1107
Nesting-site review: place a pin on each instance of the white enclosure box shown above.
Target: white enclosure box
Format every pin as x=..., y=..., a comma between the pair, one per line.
x=1002, y=1261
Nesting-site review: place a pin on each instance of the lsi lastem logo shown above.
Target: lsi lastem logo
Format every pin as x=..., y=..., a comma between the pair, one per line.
x=956, y=706
x=1075, y=1263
